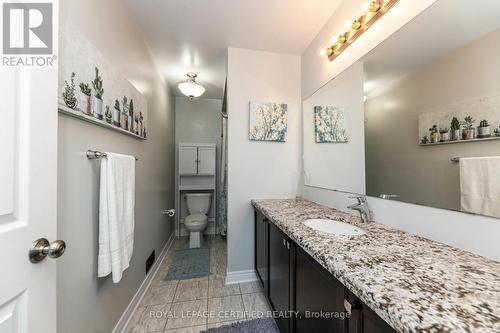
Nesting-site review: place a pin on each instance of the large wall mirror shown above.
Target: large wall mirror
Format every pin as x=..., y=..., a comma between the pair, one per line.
x=418, y=117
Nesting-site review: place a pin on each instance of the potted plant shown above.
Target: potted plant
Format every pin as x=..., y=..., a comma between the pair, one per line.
x=468, y=132
x=85, y=93
x=98, y=92
x=124, y=120
x=116, y=114
x=455, y=129
x=444, y=133
x=136, y=122
x=131, y=116
x=69, y=93
x=483, y=131
x=141, y=124
x=425, y=140
x=109, y=115
x=496, y=132
x=434, y=134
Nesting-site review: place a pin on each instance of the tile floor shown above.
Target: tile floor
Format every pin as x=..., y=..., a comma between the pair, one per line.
x=191, y=306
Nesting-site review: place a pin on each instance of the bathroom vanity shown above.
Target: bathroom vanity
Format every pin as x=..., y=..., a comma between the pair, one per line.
x=385, y=280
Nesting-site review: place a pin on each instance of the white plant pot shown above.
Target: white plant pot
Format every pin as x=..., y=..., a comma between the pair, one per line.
x=97, y=107
x=116, y=117
x=483, y=132
x=84, y=104
x=130, y=124
x=445, y=137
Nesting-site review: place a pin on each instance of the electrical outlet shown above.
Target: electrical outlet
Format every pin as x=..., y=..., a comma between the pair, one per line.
x=150, y=261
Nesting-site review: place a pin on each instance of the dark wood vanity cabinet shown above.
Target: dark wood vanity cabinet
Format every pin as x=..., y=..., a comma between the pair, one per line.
x=295, y=282
x=261, y=249
x=280, y=284
x=319, y=297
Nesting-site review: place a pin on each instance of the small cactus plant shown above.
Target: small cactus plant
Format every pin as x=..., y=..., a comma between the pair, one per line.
x=85, y=89
x=108, y=115
x=443, y=130
x=455, y=124
x=97, y=85
x=433, y=129
x=131, y=114
x=69, y=92
x=484, y=123
x=468, y=122
x=117, y=104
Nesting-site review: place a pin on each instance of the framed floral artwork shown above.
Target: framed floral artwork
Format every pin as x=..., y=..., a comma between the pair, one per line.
x=330, y=124
x=268, y=122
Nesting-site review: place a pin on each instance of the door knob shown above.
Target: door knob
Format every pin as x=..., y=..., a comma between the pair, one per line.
x=42, y=248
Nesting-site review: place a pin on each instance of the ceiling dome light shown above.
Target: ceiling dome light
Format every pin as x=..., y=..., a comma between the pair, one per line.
x=190, y=88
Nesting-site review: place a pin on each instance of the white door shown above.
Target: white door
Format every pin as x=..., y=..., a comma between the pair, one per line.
x=28, y=197
x=188, y=160
x=206, y=160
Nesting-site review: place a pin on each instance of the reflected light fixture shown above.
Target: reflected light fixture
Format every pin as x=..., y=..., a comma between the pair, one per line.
x=191, y=88
x=373, y=10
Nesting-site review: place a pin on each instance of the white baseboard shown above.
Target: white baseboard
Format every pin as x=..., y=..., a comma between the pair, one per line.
x=132, y=306
x=241, y=276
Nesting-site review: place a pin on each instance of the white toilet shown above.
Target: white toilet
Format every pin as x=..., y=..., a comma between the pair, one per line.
x=198, y=206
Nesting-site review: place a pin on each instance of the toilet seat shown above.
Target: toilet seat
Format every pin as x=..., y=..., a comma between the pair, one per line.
x=196, y=218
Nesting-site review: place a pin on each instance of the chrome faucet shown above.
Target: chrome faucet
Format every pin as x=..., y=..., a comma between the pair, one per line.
x=362, y=208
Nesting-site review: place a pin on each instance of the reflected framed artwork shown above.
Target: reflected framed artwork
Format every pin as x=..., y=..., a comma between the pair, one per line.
x=330, y=124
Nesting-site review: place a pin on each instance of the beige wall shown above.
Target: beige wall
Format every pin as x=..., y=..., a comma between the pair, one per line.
x=86, y=303
x=395, y=163
x=257, y=169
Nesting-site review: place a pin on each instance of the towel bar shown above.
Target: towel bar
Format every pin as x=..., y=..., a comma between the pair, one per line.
x=94, y=154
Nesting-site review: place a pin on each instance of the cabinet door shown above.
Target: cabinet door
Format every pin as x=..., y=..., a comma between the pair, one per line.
x=317, y=292
x=365, y=320
x=206, y=160
x=279, y=276
x=188, y=157
x=261, y=249
x=372, y=323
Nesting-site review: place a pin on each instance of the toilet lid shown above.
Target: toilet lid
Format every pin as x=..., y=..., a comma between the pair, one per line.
x=196, y=218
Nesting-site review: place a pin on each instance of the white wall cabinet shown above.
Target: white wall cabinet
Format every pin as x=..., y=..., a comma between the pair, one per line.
x=188, y=160
x=197, y=160
x=206, y=160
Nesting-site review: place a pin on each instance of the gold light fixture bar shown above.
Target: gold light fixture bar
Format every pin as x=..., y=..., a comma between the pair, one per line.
x=376, y=9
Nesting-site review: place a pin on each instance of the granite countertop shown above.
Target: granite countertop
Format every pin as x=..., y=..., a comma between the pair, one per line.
x=414, y=284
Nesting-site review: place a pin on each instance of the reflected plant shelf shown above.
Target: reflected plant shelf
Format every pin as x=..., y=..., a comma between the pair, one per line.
x=460, y=141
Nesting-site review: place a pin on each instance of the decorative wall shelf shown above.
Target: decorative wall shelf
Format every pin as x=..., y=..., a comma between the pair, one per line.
x=460, y=141
x=79, y=115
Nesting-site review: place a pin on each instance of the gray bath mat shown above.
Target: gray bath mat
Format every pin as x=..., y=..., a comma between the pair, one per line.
x=261, y=325
x=189, y=264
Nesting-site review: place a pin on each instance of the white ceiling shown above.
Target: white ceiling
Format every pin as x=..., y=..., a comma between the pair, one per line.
x=193, y=35
x=445, y=26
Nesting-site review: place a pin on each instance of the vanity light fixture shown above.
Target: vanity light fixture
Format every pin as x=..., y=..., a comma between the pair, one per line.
x=373, y=11
x=191, y=88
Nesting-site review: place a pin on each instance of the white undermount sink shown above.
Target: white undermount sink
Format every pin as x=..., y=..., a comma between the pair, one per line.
x=334, y=227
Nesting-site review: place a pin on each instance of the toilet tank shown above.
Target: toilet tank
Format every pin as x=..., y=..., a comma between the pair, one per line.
x=198, y=202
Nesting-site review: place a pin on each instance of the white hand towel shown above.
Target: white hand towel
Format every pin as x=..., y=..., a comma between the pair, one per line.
x=480, y=185
x=116, y=214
